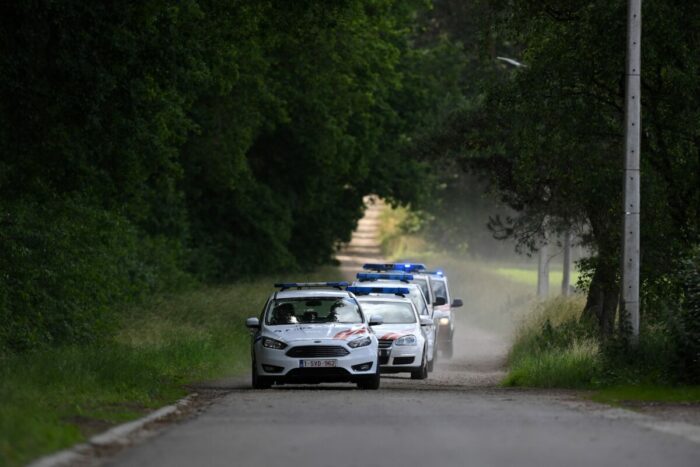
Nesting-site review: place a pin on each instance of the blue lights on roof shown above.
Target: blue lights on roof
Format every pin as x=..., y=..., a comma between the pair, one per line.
x=308, y=285
x=361, y=290
x=406, y=267
x=374, y=276
x=437, y=272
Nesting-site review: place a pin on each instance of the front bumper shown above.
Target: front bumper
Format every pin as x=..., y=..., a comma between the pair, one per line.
x=446, y=330
x=399, y=359
x=358, y=364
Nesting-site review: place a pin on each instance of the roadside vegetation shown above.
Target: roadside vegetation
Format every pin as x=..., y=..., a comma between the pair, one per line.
x=556, y=346
x=54, y=398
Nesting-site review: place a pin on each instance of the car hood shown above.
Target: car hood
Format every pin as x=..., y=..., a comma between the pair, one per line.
x=394, y=331
x=310, y=332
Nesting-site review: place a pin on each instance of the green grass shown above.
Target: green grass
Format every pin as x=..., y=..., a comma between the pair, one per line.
x=55, y=398
x=524, y=275
x=553, y=349
x=575, y=366
x=618, y=395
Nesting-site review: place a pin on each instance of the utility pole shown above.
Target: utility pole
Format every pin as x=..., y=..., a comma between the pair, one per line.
x=543, y=268
x=631, y=208
x=543, y=274
x=566, y=275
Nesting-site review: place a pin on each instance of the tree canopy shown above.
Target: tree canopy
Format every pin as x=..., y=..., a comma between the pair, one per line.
x=146, y=144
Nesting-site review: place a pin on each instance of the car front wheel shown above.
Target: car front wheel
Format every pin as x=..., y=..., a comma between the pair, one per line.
x=422, y=372
x=369, y=382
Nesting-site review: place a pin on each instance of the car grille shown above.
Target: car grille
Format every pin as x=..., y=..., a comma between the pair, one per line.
x=317, y=351
x=403, y=360
x=383, y=360
x=385, y=343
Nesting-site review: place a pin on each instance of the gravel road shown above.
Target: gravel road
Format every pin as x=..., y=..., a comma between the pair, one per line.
x=459, y=416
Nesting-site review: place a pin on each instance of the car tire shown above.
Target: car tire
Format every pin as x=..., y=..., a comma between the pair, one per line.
x=369, y=382
x=422, y=371
x=259, y=382
x=431, y=363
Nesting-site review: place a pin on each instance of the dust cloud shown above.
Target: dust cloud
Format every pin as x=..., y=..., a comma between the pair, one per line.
x=493, y=307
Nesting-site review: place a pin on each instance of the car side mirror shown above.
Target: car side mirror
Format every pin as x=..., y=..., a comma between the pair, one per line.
x=439, y=301
x=252, y=323
x=376, y=320
x=457, y=302
x=425, y=321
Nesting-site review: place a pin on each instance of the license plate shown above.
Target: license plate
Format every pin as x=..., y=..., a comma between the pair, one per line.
x=317, y=363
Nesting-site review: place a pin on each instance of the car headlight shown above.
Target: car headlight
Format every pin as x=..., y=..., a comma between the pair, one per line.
x=273, y=344
x=406, y=340
x=444, y=321
x=361, y=342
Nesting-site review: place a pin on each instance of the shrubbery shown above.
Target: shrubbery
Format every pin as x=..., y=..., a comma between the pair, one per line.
x=556, y=347
x=66, y=266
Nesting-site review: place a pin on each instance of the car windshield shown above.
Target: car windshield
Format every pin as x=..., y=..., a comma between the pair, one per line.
x=391, y=312
x=422, y=282
x=439, y=289
x=313, y=310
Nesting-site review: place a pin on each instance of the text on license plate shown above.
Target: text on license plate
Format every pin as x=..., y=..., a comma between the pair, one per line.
x=317, y=363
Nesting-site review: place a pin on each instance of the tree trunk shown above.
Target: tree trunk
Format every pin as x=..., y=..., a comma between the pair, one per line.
x=603, y=299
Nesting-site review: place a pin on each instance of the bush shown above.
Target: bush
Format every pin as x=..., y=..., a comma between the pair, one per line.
x=554, y=348
x=689, y=329
x=67, y=266
x=575, y=366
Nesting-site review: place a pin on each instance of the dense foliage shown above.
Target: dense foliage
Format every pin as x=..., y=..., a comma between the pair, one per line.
x=548, y=137
x=146, y=143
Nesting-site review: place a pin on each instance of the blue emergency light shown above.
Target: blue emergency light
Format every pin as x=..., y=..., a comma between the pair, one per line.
x=308, y=285
x=375, y=276
x=360, y=290
x=406, y=267
x=437, y=272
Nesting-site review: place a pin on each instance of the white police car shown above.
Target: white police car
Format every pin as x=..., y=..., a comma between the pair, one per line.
x=444, y=311
x=403, y=335
x=417, y=270
x=313, y=334
x=415, y=294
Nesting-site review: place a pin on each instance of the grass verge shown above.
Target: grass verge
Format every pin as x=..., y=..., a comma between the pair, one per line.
x=524, y=275
x=620, y=395
x=55, y=398
x=552, y=348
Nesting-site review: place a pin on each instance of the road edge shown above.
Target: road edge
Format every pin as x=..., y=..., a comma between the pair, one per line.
x=117, y=435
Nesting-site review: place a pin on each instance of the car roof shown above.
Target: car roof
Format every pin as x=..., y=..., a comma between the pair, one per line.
x=304, y=293
x=398, y=283
x=383, y=298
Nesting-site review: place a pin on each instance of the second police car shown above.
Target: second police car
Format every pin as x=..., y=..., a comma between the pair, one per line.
x=403, y=343
x=401, y=279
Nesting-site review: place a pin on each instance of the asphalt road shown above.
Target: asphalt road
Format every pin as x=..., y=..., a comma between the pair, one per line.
x=459, y=416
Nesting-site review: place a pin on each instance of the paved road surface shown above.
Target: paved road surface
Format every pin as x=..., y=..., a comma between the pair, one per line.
x=458, y=417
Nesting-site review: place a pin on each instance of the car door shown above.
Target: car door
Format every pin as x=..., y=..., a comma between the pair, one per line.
x=425, y=310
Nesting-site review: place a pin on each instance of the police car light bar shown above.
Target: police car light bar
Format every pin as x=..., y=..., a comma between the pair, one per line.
x=308, y=285
x=406, y=267
x=359, y=290
x=374, y=276
x=437, y=272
